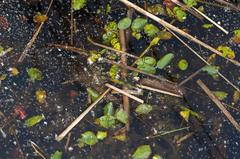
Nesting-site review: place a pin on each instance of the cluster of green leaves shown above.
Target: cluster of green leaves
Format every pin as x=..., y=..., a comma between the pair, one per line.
x=226, y=51
x=143, y=109
x=110, y=37
x=110, y=117
x=34, y=74
x=190, y=3
x=186, y=112
x=90, y=138
x=180, y=14
x=92, y=93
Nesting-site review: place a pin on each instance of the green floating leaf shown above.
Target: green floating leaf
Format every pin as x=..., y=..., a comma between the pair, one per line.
x=56, y=155
x=183, y=64
x=121, y=116
x=150, y=30
x=138, y=24
x=165, y=35
x=165, y=60
x=108, y=109
x=157, y=157
x=226, y=51
x=78, y=4
x=101, y=135
x=106, y=121
x=190, y=3
x=34, y=74
x=154, y=41
x=34, y=120
x=211, y=70
x=124, y=23
x=221, y=95
x=92, y=93
x=142, y=152
x=147, y=60
x=120, y=137
x=88, y=138
x=143, y=109
x=136, y=35
x=180, y=14
x=207, y=26
x=185, y=114
x=147, y=68
x=156, y=9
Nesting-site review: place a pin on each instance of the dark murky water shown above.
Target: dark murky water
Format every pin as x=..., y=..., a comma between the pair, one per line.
x=60, y=109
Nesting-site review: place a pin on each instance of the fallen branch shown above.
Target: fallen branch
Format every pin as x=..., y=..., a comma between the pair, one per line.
x=219, y=104
x=80, y=117
x=35, y=35
x=124, y=93
x=179, y=31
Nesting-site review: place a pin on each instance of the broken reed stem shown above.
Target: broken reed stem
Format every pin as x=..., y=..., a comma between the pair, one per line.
x=124, y=93
x=190, y=77
x=81, y=116
x=185, y=137
x=124, y=73
x=112, y=49
x=219, y=104
x=160, y=91
x=68, y=141
x=229, y=5
x=201, y=58
x=179, y=31
x=210, y=20
x=34, y=37
x=38, y=150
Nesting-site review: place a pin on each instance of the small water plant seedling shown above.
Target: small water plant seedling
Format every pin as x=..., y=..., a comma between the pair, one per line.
x=56, y=155
x=150, y=30
x=226, y=51
x=34, y=74
x=179, y=14
x=121, y=116
x=138, y=24
x=34, y=120
x=124, y=23
x=190, y=3
x=165, y=60
x=78, y=4
x=101, y=135
x=211, y=70
x=207, y=26
x=106, y=121
x=221, y=95
x=142, y=152
x=236, y=36
x=156, y=9
x=41, y=96
x=143, y=109
x=183, y=64
x=88, y=138
x=120, y=137
x=92, y=93
x=108, y=109
x=39, y=18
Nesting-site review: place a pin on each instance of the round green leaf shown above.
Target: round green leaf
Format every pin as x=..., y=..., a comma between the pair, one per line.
x=124, y=23
x=138, y=24
x=142, y=152
x=183, y=64
x=88, y=138
x=143, y=109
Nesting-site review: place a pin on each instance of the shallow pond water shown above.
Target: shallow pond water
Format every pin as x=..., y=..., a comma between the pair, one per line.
x=214, y=137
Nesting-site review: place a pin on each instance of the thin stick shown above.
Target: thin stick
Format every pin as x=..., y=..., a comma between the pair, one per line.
x=201, y=58
x=37, y=150
x=168, y=25
x=219, y=104
x=227, y=4
x=160, y=91
x=124, y=93
x=185, y=137
x=210, y=20
x=68, y=140
x=6, y=51
x=168, y=132
x=112, y=49
x=35, y=35
x=190, y=77
x=80, y=117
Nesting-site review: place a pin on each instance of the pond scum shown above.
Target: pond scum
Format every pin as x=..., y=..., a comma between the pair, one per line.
x=119, y=79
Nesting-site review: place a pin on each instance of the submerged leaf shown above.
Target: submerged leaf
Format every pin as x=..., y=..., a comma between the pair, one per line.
x=147, y=60
x=34, y=120
x=165, y=60
x=88, y=138
x=165, y=35
x=56, y=155
x=120, y=137
x=121, y=116
x=34, y=74
x=183, y=64
x=41, y=96
x=78, y=4
x=207, y=26
x=150, y=30
x=108, y=109
x=138, y=24
x=221, y=95
x=211, y=70
x=147, y=68
x=40, y=18
x=124, y=23
x=156, y=9
x=92, y=93
x=106, y=121
x=226, y=51
x=143, y=109
x=142, y=152
x=101, y=135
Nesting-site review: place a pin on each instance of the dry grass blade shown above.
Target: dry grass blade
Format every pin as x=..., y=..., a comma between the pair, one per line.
x=38, y=150
x=80, y=117
x=219, y=104
x=175, y=29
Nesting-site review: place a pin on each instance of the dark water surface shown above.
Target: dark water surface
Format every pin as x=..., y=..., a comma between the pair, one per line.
x=215, y=137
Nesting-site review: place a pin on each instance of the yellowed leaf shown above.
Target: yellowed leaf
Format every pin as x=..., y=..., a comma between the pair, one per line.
x=185, y=114
x=41, y=96
x=14, y=71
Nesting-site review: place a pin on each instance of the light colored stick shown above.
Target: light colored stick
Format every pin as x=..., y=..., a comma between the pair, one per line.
x=80, y=117
x=210, y=20
x=112, y=49
x=159, y=91
x=124, y=93
x=219, y=104
x=179, y=31
x=37, y=150
x=6, y=51
x=201, y=58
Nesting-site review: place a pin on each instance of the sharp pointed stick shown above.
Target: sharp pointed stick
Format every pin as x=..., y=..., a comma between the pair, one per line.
x=175, y=29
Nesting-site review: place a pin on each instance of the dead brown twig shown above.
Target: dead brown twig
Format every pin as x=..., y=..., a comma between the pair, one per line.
x=219, y=104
